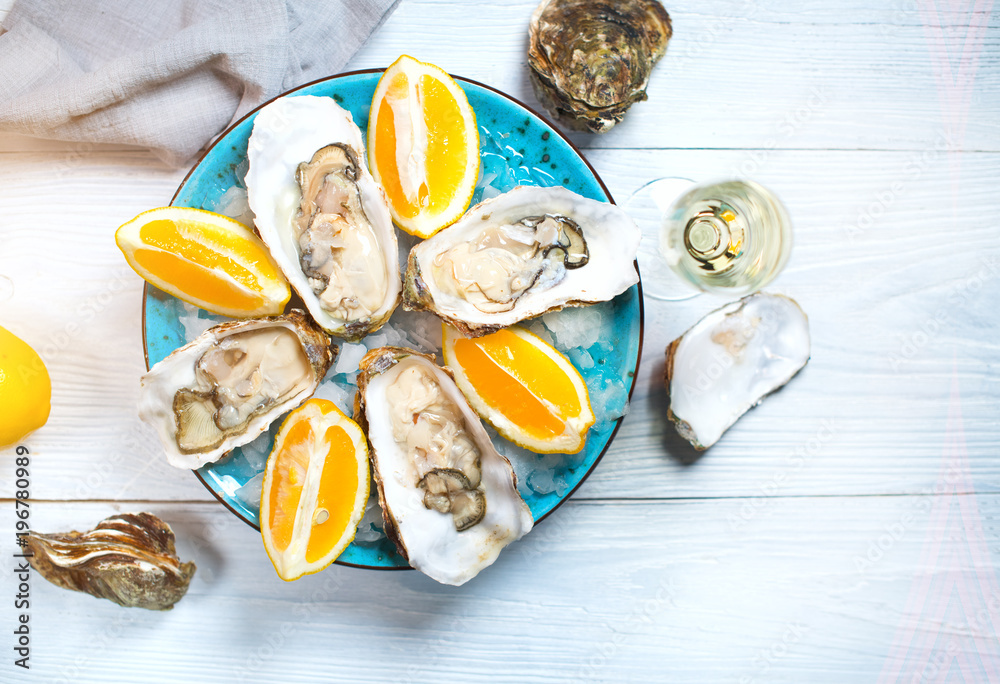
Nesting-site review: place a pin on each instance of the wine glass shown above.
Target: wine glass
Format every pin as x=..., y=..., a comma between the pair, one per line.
x=726, y=237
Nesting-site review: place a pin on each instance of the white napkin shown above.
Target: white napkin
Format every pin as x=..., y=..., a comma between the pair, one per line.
x=166, y=74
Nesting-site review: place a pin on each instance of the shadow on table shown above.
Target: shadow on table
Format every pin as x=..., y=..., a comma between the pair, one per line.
x=676, y=446
x=198, y=538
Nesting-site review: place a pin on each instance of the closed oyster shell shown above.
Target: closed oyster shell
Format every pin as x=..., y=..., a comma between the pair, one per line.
x=129, y=559
x=589, y=61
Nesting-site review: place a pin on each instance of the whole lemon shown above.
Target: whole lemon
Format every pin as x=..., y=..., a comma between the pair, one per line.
x=25, y=389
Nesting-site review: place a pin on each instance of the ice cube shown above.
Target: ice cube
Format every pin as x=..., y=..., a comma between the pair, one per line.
x=340, y=394
x=249, y=493
x=349, y=358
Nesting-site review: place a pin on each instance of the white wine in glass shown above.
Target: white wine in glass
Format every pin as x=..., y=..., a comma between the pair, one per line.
x=729, y=237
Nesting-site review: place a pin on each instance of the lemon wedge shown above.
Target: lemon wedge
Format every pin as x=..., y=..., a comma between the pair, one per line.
x=206, y=259
x=25, y=389
x=315, y=488
x=423, y=146
x=523, y=387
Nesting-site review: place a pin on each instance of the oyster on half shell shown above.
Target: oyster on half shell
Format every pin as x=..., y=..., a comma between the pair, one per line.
x=227, y=386
x=522, y=254
x=449, y=499
x=589, y=61
x=730, y=360
x=321, y=214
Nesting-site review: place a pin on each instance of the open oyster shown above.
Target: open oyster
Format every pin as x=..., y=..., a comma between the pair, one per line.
x=730, y=360
x=449, y=499
x=589, y=61
x=223, y=389
x=129, y=559
x=321, y=214
x=519, y=255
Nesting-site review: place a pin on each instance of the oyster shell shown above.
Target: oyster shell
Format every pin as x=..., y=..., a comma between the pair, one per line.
x=449, y=499
x=224, y=388
x=321, y=214
x=129, y=559
x=589, y=61
x=519, y=255
x=730, y=360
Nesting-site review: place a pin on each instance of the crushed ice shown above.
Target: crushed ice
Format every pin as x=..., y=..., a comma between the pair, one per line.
x=249, y=493
x=370, y=527
x=575, y=331
x=196, y=321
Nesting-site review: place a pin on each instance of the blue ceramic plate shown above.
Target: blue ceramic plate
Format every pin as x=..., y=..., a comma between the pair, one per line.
x=517, y=147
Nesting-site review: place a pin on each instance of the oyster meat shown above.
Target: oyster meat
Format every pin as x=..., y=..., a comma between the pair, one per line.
x=589, y=61
x=321, y=214
x=449, y=499
x=730, y=360
x=519, y=255
x=224, y=388
x=129, y=559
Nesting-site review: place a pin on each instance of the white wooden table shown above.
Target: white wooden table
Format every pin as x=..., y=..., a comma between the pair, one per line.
x=847, y=530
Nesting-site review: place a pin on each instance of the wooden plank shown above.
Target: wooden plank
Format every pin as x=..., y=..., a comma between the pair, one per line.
x=741, y=75
x=605, y=592
x=872, y=294
x=895, y=311
x=79, y=304
x=756, y=563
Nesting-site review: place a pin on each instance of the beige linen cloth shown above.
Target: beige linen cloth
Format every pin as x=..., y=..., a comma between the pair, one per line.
x=168, y=74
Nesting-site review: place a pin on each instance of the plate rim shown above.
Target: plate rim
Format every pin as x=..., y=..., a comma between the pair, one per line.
x=600, y=181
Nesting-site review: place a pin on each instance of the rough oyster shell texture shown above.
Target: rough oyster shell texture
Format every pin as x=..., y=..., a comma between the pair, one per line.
x=589, y=61
x=322, y=215
x=433, y=540
x=730, y=360
x=180, y=375
x=129, y=559
x=595, y=264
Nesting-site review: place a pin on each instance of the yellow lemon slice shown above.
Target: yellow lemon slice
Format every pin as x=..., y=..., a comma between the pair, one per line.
x=315, y=488
x=423, y=146
x=25, y=389
x=206, y=259
x=523, y=387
